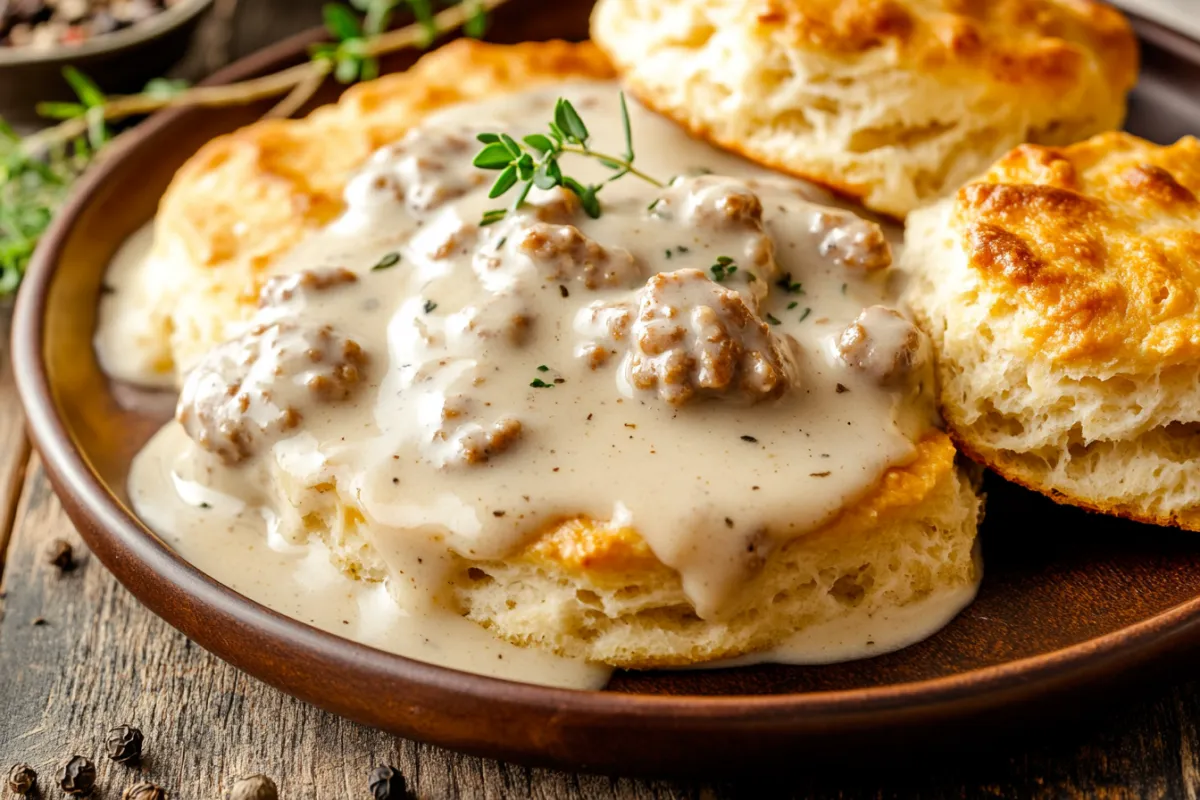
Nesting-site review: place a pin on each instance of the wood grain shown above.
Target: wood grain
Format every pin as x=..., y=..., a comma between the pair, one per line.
x=100, y=659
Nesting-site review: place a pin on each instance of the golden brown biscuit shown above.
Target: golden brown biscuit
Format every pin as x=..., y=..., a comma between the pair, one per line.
x=1062, y=293
x=893, y=102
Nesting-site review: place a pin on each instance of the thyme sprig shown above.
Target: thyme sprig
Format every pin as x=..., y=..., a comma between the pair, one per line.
x=37, y=171
x=534, y=161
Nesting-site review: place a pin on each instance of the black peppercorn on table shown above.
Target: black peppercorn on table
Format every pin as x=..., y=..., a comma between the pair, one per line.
x=79, y=656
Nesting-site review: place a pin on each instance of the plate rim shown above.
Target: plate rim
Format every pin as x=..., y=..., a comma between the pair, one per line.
x=119, y=536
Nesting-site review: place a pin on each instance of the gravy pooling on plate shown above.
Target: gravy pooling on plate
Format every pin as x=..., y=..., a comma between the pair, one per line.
x=713, y=363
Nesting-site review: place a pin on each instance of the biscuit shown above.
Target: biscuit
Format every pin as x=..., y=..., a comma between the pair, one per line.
x=892, y=102
x=1062, y=294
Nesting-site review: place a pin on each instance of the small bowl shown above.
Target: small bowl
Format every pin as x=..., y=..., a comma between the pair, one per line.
x=120, y=62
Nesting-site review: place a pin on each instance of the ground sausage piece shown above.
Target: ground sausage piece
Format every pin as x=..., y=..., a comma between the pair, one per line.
x=249, y=392
x=851, y=241
x=424, y=170
x=471, y=442
x=882, y=343
x=692, y=337
x=605, y=327
x=283, y=288
x=564, y=253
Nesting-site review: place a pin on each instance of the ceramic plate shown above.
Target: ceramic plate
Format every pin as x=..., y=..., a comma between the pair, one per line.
x=1069, y=601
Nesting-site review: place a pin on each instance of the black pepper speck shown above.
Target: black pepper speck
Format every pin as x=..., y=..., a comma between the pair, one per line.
x=77, y=776
x=386, y=783
x=21, y=779
x=144, y=791
x=124, y=744
x=255, y=787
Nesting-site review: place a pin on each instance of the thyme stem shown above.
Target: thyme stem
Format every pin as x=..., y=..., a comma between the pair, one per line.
x=625, y=166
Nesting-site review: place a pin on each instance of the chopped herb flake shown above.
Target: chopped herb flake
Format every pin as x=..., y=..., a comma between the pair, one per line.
x=748, y=438
x=772, y=319
x=543, y=368
x=723, y=269
x=804, y=316
x=430, y=306
x=538, y=383
x=792, y=305
x=788, y=285
x=389, y=260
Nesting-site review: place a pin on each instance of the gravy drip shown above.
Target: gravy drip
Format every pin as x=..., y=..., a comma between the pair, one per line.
x=542, y=368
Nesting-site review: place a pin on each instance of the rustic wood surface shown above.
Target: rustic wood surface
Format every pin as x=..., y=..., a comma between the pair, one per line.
x=78, y=655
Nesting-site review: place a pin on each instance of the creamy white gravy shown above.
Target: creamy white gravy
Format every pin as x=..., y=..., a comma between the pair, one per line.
x=489, y=381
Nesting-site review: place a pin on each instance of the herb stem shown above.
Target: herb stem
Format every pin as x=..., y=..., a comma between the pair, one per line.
x=625, y=167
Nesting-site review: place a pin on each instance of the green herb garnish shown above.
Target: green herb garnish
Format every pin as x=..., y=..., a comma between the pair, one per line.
x=788, y=285
x=430, y=306
x=534, y=161
x=389, y=260
x=804, y=316
x=538, y=383
x=772, y=319
x=543, y=368
x=723, y=269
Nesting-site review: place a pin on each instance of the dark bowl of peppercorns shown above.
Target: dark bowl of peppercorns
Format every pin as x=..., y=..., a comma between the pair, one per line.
x=120, y=44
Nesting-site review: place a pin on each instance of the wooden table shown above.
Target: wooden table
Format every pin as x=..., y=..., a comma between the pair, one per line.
x=79, y=655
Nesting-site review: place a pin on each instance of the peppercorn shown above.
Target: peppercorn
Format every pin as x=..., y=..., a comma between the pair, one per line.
x=124, y=744
x=255, y=787
x=387, y=783
x=60, y=553
x=77, y=776
x=21, y=779
x=144, y=791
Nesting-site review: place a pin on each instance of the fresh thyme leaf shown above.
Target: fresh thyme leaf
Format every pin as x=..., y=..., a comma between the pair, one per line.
x=340, y=21
x=494, y=156
x=539, y=142
x=628, y=130
x=389, y=260
x=84, y=87
x=476, y=24
x=492, y=216
x=538, y=383
x=487, y=138
x=569, y=121
x=55, y=110
x=429, y=306
x=507, y=180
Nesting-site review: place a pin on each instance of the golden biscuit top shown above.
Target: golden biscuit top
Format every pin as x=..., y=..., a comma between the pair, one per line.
x=251, y=194
x=1044, y=43
x=1098, y=242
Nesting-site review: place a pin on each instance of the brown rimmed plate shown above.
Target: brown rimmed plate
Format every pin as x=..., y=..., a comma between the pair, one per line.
x=1070, y=601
